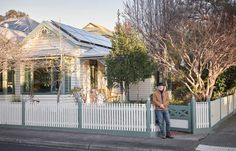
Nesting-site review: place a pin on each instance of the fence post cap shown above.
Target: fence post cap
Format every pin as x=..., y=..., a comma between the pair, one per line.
x=208, y=98
x=148, y=100
x=193, y=98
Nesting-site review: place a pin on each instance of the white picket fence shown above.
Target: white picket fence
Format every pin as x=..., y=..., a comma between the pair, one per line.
x=118, y=116
x=110, y=116
x=51, y=114
x=11, y=113
x=219, y=109
x=202, y=115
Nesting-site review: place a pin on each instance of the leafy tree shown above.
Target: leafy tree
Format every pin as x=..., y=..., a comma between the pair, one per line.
x=128, y=61
x=225, y=83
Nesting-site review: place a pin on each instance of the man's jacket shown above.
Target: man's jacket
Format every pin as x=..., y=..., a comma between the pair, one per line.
x=157, y=99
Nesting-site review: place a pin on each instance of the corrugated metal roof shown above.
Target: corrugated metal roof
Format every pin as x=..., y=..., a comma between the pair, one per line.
x=24, y=24
x=84, y=36
x=95, y=52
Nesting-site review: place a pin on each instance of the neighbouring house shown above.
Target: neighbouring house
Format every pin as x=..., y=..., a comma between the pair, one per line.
x=51, y=46
x=98, y=29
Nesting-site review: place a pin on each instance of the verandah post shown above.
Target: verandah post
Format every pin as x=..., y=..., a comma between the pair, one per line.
x=148, y=116
x=193, y=108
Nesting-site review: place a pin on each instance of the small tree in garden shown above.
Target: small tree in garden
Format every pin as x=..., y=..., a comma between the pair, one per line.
x=128, y=61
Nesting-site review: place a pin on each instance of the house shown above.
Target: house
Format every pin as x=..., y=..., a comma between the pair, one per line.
x=57, y=53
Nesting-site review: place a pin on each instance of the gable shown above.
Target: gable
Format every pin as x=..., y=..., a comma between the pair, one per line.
x=46, y=41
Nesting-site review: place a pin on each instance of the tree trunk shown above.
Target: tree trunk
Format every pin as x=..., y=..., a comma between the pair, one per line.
x=127, y=91
x=59, y=92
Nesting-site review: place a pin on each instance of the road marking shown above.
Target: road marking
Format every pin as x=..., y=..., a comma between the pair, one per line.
x=214, y=148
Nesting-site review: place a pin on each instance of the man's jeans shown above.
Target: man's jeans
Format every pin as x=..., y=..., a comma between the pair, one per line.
x=162, y=117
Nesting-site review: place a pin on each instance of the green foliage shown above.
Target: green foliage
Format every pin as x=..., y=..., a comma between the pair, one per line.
x=225, y=83
x=128, y=61
x=177, y=102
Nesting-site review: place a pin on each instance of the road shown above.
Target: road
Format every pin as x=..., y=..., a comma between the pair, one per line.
x=223, y=138
x=22, y=147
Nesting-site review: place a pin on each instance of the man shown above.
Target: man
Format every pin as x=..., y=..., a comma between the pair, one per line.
x=161, y=103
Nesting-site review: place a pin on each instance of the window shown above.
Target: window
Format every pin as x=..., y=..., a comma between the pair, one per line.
x=1, y=82
x=7, y=84
x=55, y=80
x=67, y=82
x=45, y=78
x=41, y=80
x=11, y=82
x=28, y=80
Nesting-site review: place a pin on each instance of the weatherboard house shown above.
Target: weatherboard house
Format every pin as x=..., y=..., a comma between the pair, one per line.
x=83, y=52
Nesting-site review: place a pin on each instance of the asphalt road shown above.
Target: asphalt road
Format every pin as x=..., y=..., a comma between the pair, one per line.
x=22, y=147
x=223, y=136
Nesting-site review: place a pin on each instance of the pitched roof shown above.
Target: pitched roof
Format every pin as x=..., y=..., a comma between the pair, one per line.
x=84, y=36
x=16, y=29
x=95, y=52
x=98, y=29
x=24, y=24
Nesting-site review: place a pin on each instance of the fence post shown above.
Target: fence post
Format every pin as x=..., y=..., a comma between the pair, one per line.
x=80, y=103
x=234, y=102
x=23, y=111
x=220, y=107
x=227, y=104
x=209, y=110
x=193, y=107
x=148, y=118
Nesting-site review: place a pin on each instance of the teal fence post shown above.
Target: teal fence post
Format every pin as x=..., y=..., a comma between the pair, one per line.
x=193, y=107
x=148, y=118
x=234, y=102
x=80, y=103
x=227, y=104
x=209, y=110
x=189, y=117
x=23, y=111
x=220, y=107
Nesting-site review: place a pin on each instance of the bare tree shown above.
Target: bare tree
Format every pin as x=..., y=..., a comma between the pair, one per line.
x=153, y=19
x=10, y=53
x=199, y=35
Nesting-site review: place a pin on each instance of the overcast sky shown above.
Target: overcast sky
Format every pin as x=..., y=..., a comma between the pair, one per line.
x=77, y=13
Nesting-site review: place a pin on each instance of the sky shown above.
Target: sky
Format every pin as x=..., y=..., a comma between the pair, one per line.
x=77, y=13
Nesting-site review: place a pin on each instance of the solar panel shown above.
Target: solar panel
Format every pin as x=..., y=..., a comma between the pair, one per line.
x=84, y=35
x=23, y=24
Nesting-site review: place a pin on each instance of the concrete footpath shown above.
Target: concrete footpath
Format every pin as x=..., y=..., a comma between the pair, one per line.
x=83, y=141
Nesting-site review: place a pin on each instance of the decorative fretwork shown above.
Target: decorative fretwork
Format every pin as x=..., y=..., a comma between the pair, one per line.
x=177, y=112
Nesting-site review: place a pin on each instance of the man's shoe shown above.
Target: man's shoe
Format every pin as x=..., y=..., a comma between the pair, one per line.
x=169, y=136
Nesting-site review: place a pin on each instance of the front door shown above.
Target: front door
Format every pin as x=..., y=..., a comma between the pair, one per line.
x=93, y=74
